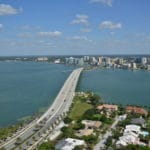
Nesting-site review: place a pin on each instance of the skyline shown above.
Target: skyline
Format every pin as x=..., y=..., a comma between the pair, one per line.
x=74, y=27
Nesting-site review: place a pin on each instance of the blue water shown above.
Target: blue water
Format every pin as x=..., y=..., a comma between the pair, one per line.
x=118, y=86
x=25, y=87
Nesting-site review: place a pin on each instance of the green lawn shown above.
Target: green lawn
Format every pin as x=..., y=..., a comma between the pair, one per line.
x=79, y=107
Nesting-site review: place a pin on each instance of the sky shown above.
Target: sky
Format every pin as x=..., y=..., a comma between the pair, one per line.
x=74, y=27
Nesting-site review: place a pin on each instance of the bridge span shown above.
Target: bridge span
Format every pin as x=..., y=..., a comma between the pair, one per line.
x=32, y=133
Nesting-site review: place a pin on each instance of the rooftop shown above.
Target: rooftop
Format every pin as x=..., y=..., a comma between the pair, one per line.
x=69, y=144
x=107, y=106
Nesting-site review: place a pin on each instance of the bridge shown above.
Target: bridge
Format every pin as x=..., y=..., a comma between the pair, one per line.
x=35, y=132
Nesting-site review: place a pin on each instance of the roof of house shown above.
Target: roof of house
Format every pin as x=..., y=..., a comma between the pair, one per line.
x=90, y=123
x=85, y=132
x=133, y=127
x=139, y=121
x=136, y=110
x=107, y=106
x=69, y=144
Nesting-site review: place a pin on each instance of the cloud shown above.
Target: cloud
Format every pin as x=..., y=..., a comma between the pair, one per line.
x=85, y=30
x=8, y=10
x=1, y=27
x=27, y=27
x=24, y=35
x=81, y=19
x=110, y=25
x=78, y=38
x=105, y=2
x=50, y=34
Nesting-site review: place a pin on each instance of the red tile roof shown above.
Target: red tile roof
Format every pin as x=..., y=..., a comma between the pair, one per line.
x=107, y=106
x=135, y=109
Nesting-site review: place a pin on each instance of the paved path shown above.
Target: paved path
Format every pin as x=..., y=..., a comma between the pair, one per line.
x=103, y=140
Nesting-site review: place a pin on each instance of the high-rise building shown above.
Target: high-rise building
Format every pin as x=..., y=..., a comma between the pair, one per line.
x=148, y=67
x=100, y=60
x=81, y=62
x=121, y=61
x=134, y=66
x=144, y=60
x=93, y=61
x=86, y=58
x=108, y=61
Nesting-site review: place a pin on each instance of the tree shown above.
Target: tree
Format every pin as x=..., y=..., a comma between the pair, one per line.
x=91, y=139
x=79, y=147
x=94, y=99
x=134, y=147
x=67, y=120
x=78, y=126
x=89, y=113
x=109, y=141
x=67, y=132
x=47, y=146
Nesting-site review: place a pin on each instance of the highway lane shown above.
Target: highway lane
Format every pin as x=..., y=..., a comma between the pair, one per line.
x=66, y=90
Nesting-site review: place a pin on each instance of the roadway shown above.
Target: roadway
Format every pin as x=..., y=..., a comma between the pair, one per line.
x=102, y=142
x=60, y=106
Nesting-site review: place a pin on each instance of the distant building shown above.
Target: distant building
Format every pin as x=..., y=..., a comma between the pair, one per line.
x=148, y=67
x=134, y=66
x=93, y=61
x=70, y=60
x=120, y=61
x=144, y=60
x=108, y=107
x=137, y=110
x=100, y=60
x=69, y=144
x=80, y=61
x=57, y=61
x=86, y=58
x=42, y=59
x=126, y=66
x=108, y=61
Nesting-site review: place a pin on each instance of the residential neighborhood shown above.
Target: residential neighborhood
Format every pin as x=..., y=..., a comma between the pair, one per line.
x=93, y=124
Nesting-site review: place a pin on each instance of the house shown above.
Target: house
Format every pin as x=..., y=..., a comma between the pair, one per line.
x=108, y=107
x=69, y=144
x=91, y=124
x=84, y=132
x=138, y=121
x=137, y=110
x=122, y=117
x=130, y=136
x=127, y=139
x=132, y=128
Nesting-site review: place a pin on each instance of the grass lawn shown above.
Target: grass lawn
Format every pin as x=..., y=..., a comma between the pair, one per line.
x=79, y=107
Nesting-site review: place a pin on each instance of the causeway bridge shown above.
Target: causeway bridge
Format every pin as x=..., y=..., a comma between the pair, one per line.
x=35, y=132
